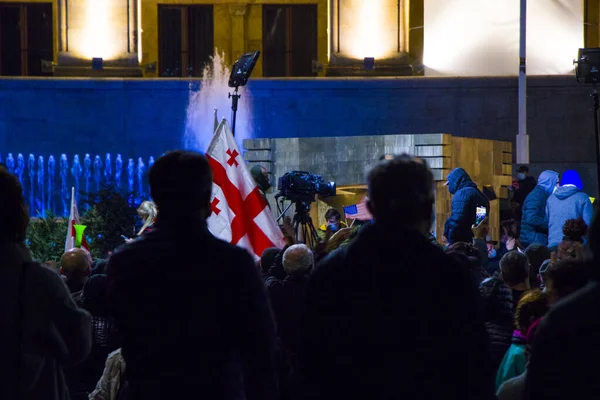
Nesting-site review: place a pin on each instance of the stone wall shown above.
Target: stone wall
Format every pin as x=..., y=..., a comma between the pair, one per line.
x=147, y=117
x=345, y=160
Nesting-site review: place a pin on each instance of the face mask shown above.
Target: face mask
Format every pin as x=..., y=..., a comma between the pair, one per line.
x=492, y=253
x=333, y=227
x=520, y=176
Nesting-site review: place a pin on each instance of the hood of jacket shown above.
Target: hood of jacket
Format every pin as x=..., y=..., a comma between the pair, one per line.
x=459, y=179
x=571, y=177
x=261, y=181
x=548, y=180
x=565, y=192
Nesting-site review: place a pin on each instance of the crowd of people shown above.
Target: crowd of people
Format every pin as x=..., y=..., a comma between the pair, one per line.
x=377, y=310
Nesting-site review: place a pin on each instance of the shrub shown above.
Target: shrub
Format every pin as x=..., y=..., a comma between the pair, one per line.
x=111, y=214
x=46, y=237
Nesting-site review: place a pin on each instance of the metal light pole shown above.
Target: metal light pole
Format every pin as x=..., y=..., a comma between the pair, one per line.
x=522, y=137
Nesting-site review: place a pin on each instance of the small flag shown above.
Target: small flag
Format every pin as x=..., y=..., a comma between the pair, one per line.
x=358, y=211
x=239, y=213
x=71, y=241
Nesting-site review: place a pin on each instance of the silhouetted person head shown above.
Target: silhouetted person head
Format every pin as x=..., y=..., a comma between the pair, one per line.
x=565, y=277
x=14, y=217
x=267, y=259
x=75, y=266
x=536, y=254
x=514, y=268
x=469, y=256
x=401, y=193
x=93, y=297
x=181, y=185
x=298, y=260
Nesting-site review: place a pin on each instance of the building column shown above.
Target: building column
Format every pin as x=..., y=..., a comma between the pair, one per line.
x=237, y=12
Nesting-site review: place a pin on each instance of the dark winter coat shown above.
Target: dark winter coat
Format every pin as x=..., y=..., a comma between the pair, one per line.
x=193, y=316
x=534, y=221
x=383, y=326
x=55, y=334
x=287, y=299
x=498, y=309
x=466, y=198
x=565, y=352
x=526, y=186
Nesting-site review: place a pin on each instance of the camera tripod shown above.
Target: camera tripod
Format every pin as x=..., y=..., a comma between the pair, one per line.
x=304, y=230
x=303, y=221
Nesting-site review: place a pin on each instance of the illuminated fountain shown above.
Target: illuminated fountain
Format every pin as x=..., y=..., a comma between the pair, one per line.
x=42, y=188
x=213, y=94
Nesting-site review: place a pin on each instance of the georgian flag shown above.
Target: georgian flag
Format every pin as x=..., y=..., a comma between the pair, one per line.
x=74, y=220
x=239, y=213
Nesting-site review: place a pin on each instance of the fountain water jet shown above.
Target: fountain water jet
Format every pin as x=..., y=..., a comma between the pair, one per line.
x=64, y=193
x=41, y=201
x=213, y=94
x=118, y=171
x=31, y=168
x=97, y=172
x=10, y=164
x=51, y=173
x=130, y=174
x=20, y=170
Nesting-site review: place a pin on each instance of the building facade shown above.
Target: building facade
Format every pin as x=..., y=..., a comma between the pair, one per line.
x=175, y=38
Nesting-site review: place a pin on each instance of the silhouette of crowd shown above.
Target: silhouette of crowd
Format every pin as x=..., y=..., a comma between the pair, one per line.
x=378, y=309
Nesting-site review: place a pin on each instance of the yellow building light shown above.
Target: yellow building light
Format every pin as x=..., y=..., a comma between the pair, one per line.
x=367, y=28
x=99, y=28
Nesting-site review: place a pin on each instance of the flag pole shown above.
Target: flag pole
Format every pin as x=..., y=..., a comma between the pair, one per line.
x=215, y=122
x=522, y=137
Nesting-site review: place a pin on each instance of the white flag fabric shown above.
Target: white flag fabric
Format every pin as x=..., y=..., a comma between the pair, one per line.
x=74, y=220
x=239, y=213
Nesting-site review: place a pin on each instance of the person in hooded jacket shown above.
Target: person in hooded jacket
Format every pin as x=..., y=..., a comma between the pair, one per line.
x=466, y=198
x=568, y=202
x=261, y=177
x=534, y=221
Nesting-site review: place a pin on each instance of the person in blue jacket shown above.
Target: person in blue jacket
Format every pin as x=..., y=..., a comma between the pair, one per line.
x=568, y=202
x=534, y=221
x=466, y=198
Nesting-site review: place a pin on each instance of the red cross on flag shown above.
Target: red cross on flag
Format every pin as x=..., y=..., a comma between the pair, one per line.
x=240, y=215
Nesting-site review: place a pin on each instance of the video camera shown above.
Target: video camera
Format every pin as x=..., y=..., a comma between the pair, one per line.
x=303, y=186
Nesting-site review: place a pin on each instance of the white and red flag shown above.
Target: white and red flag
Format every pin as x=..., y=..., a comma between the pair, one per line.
x=70, y=242
x=239, y=213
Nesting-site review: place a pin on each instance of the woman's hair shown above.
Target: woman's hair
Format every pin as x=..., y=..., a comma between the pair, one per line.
x=14, y=217
x=148, y=211
x=571, y=247
x=567, y=276
x=510, y=228
x=532, y=306
x=575, y=230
